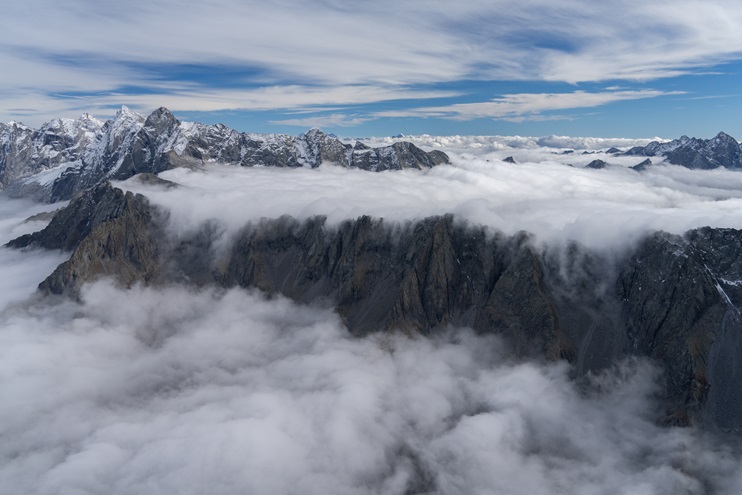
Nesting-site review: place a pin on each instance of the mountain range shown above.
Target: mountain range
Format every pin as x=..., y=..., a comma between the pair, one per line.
x=720, y=151
x=66, y=156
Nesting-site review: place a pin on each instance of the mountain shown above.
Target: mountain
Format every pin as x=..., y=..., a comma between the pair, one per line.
x=674, y=299
x=66, y=156
x=720, y=151
x=25, y=151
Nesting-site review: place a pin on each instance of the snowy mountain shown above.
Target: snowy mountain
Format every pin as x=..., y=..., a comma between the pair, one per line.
x=65, y=156
x=721, y=151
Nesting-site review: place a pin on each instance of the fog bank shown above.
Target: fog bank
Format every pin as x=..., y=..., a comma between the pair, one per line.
x=599, y=208
x=178, y=391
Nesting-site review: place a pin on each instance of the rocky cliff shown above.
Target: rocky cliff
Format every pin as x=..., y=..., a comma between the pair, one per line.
x=674, y=299
x=66, y=156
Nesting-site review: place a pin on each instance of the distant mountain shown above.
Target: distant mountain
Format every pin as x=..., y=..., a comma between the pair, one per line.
x=721, y=151
x=65, y=156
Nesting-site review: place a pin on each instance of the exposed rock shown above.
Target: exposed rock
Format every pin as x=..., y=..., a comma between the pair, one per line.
x=596, y=164
x=641, y=167
x=44, y=216
x=510, y=159
x=721, y=151
x=673, y=312
x=153, y=180
x=72, y=224
x=125, y=247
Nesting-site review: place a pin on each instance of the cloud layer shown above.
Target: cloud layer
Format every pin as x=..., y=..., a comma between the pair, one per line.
x=178, y=391
x=605, y=209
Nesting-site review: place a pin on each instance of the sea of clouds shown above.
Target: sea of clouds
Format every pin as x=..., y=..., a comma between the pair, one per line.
x=547, y=193
x=179, y=390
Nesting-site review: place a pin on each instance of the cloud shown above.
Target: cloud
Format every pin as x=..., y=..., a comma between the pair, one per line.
x=528, y=106
x=21, y=272
x=604, y=209
x=480, y=145
x=78, y=46
x=334, y=120
x=292, y=97
x=181, y=391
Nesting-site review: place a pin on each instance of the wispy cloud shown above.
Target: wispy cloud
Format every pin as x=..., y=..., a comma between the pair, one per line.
x=293, y=97
x=374, y=48
x=334, y=120
x=527, y=106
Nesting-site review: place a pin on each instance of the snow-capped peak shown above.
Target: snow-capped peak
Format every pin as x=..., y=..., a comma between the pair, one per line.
x=127, y=113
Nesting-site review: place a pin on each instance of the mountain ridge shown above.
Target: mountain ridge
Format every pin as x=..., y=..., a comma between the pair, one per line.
x=720, y=151
x=675, y=299
x=66, y=156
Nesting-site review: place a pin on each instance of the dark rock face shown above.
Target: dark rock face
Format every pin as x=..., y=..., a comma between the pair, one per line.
x=416, y=277
x=125, y=247
x=721, y=151
x=510, y=159
x=87, y=151
x=642, y=166
x=596, y=164
x=73, y=224
x=675, y=299
x=110, y=233
x=673, y=311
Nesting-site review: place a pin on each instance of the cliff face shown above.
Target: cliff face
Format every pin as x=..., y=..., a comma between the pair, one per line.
x=674, y=299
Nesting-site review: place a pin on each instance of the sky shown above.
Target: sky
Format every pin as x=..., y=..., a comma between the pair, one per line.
x=628, y=68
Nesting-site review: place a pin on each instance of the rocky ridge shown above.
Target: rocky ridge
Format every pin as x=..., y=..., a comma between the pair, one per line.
x=721, y=151
x=674, y=299
x=66, y=156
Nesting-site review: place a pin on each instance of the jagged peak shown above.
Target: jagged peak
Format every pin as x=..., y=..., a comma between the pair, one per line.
x=314, y=133
x=16, y=124
x=128, y=114
x=723, y=136
x=162, y=115
x=162, y=112
x=87, y=117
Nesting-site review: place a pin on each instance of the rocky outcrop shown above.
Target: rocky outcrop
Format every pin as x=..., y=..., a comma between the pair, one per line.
x=109, y=232
x=674, y=299
x=721, y=151
x=418, y=277
x=65, y=157
x=673, y=310
x=642, y=166
x=596, y=164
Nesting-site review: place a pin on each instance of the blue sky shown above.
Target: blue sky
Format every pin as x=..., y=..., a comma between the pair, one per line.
x=627, y=68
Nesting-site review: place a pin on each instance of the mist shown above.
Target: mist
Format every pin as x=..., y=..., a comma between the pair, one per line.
x=21, y=272
x=603, y=209
x=181, y=391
